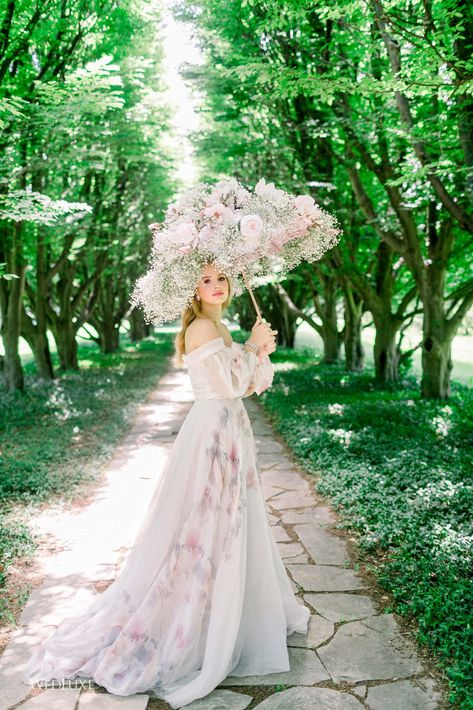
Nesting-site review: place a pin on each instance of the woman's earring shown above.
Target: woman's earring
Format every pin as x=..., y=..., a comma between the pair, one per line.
x=197, y=297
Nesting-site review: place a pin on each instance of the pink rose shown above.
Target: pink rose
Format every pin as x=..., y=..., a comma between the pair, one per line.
x=214, y=198
x=267, y=190
x=251, y=226
x=218, y=212
x=184, y=233
x=306, y=206
x=241, y=196
x=206, y=233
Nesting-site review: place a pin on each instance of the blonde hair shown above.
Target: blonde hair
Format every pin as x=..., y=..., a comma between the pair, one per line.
x=190, y=314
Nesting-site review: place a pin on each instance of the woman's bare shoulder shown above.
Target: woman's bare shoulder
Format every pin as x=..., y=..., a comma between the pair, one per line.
x=199, y=332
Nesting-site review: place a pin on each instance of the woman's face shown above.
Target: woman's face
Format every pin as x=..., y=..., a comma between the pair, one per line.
x=213, y=287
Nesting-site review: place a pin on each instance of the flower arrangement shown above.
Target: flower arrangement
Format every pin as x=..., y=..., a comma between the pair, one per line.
x=258, y=232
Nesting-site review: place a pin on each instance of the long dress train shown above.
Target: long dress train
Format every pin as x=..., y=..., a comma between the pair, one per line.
x=204, y=593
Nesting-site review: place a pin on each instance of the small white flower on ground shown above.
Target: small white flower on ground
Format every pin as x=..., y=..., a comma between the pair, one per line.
x=336, y=409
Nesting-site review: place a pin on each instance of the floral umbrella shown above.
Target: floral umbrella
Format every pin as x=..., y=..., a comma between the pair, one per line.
x=245, y=234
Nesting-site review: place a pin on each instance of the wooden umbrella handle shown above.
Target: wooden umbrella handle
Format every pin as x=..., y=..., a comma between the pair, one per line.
x=252, y=296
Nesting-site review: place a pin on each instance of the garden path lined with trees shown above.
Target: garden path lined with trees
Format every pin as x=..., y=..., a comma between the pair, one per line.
x=365, y=105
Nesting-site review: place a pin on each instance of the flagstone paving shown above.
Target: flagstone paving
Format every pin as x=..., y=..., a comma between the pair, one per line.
x=354, y=656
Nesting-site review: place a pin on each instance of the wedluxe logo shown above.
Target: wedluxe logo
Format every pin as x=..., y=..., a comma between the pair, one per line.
x=66, y=683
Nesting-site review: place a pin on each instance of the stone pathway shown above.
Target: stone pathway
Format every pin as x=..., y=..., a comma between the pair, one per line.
x=353, y=657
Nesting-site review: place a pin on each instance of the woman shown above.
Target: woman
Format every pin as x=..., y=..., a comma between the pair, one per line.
x=204, y=593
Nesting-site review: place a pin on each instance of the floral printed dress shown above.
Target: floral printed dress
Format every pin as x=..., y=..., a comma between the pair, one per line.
x=204, y=593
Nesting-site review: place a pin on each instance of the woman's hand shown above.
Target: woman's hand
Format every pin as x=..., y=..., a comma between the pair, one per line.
x=264, y=336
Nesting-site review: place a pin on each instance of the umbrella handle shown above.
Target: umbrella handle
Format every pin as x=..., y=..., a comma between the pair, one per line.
x=252, y=295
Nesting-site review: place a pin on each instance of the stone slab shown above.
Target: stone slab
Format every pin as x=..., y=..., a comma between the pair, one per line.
x=305, y=669
x=289, y=480
x=279, y=534
x=324, y=547
x=319, y=515
x=318, y=632
x=342, y=607
x=270, y=491
x=316, y=578
x=311, y=699
x=221, y=699
x=417, y=694
x=91, y=700
x=292, y=499
x=53, y=699
x=268, y=445
x=299, y=560
x=369, y=650
x=56, y=599
x=290, y=549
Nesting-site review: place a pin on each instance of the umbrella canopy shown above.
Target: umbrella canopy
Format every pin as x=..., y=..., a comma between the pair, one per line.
x=247, y=234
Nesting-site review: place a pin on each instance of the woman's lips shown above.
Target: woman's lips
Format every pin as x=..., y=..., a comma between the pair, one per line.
x=219, y=293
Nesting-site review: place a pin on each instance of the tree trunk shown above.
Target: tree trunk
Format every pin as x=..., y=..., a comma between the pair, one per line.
x=331, y=341
x=11, y=296
x=137, y=325
x=36, y=337
x=281, y=319
x=285, y=325
x=65, y=337
x=109, y=335
x=12, y=367
x=386, y=354
x=436, y=352
x=330, y=334
x=42, y=355
x=354, y=351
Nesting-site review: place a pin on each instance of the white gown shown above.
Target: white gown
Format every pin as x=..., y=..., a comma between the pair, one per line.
x=204, y=593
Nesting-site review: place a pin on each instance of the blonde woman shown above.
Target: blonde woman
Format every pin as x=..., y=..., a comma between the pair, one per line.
x=204, y=593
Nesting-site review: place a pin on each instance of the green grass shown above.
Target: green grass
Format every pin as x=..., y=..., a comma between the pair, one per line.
x=399, y=470
x=55, y=435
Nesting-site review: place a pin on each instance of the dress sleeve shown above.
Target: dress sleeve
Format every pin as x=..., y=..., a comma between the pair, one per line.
x=235, y=372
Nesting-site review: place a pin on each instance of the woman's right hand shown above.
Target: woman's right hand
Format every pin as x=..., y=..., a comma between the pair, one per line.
x=262, y=334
